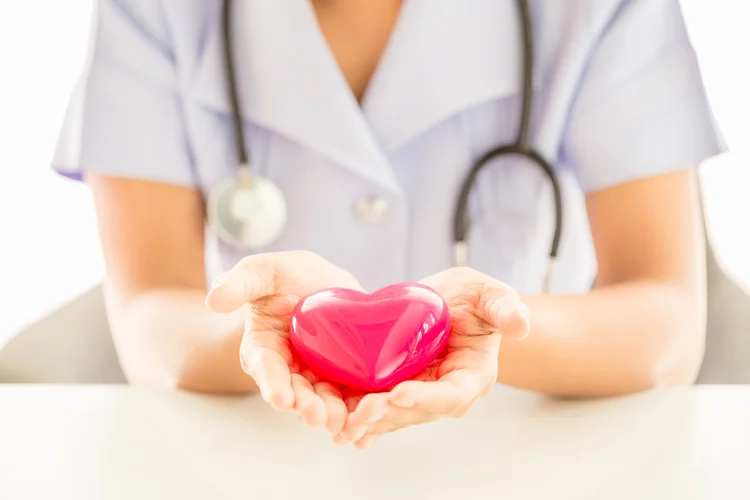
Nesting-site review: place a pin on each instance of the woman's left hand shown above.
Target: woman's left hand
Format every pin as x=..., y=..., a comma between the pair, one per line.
x=483, y=310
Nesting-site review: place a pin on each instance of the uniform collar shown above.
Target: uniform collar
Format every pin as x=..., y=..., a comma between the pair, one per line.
x=443, y=57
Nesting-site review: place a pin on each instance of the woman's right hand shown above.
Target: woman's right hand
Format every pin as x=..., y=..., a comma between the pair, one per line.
x=269, y=286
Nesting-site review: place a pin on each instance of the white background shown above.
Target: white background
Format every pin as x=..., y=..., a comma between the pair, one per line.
x=48, y=243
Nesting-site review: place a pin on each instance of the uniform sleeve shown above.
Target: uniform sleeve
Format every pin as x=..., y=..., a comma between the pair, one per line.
x=125, y=117
x=641, y=108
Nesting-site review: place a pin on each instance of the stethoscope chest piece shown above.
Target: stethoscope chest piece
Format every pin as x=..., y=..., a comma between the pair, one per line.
x=249, y=212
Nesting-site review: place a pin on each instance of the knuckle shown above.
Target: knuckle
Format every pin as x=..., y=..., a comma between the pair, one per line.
x=469, y=274
x=496, y=290
x=247, y=262
x=305, y=255
x=244, y=261
x=300, y=381
x=308, y=404
x=460, y=271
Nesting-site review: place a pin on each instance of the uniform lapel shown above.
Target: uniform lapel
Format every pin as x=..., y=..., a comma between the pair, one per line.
x=290, y=83
x=444, y=57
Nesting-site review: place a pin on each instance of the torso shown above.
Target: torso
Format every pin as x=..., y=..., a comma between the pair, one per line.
x=371, y=183
x=388, y=104
x=357, y=33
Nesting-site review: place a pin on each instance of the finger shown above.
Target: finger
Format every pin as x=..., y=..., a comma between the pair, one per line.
x=252, y=278
x=334, y=404
x=271, y=372
x=440, y=398
x=352, y=397
x=367, y=441
x=505, y=311
x=375, y=415
x=350, y=433
x=400, y=418
x=444, y=397
x=371, y=409
x=308, y=404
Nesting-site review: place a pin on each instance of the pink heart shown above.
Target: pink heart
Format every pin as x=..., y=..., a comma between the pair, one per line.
x=370, y=341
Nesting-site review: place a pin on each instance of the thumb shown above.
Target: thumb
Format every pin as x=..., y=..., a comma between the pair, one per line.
x=506, y=312
x=252, y=278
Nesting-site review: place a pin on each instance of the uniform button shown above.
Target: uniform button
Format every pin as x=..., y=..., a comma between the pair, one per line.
x=371, y=208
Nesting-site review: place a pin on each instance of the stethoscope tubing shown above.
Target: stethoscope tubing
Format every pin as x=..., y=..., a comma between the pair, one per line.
x=521, y=147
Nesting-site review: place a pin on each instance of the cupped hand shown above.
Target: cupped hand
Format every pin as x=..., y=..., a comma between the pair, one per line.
x=483, y=310
x=269, y=286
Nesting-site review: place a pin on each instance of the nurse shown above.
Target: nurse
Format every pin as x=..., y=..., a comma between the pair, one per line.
x=368, y=114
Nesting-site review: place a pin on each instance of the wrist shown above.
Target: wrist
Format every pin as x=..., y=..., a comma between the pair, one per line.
x=213, y=365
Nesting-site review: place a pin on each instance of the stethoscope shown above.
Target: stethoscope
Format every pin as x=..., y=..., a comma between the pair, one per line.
x=249, y=211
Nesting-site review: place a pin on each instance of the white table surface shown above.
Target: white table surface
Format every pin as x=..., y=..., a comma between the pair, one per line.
x=82, y=442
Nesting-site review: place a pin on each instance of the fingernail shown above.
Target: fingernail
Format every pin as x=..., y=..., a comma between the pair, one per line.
x=403, y=401
x=280, y=401
x=513, y=320
x=360, y=434
x=338, y=440
x=219, y=281
x=525, y=328
x=368, y=441
x=526, y=313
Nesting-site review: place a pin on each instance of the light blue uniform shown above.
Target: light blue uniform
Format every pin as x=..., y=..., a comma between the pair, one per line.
x=372, y=188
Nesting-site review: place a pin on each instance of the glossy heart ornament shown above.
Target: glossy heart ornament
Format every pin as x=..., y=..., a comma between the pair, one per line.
x=370, y=341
